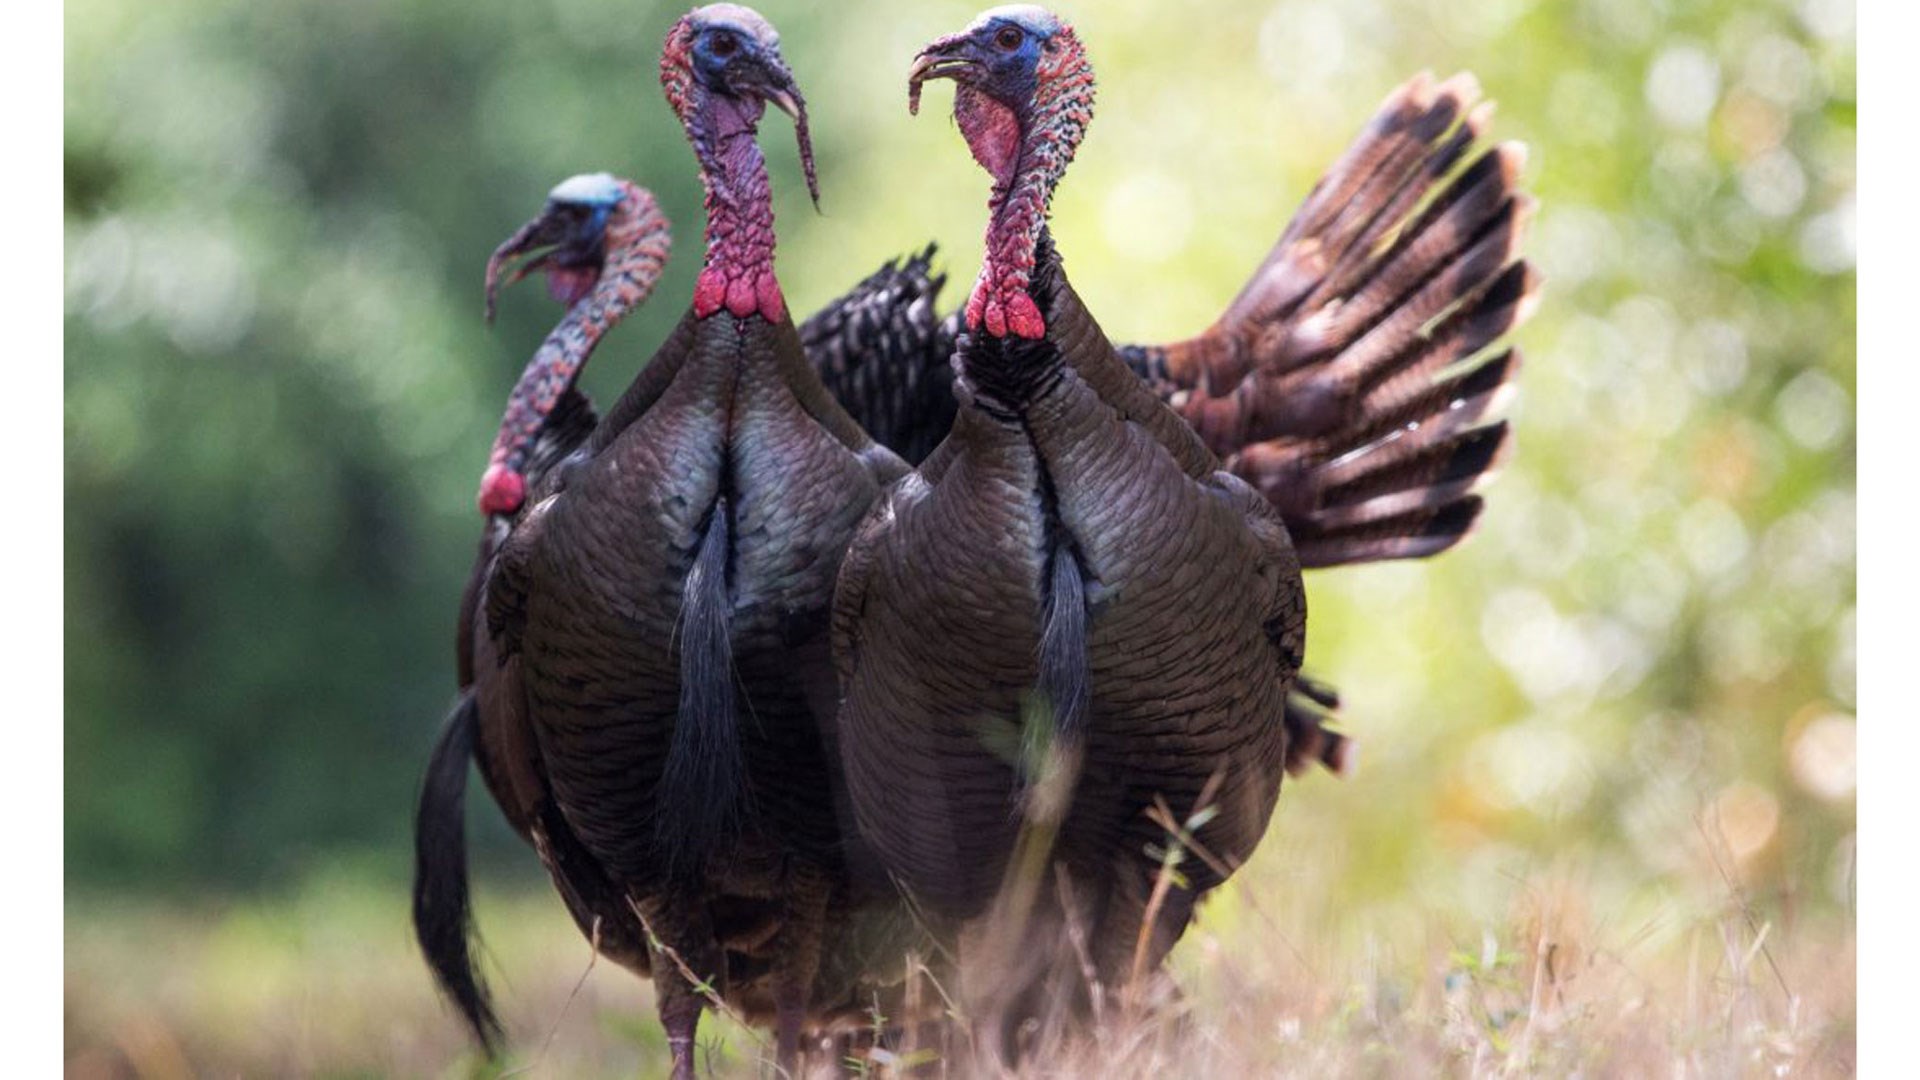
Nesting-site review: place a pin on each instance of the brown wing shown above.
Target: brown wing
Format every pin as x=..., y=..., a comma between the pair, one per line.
x=1351, y=379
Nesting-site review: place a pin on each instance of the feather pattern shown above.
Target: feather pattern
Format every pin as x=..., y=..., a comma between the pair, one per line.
x=885, y=355
x=1194, y=629
x=1344, y=381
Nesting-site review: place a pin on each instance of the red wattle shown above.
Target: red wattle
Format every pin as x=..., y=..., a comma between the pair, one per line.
x=502, y=490
x=709, y=293
x=773, y=306
x=1023, y=316
x=1010, y=314
x=996, y=319
x=741, y=298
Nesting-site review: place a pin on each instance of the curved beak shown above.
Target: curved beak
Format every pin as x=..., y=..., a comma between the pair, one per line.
x=769, y=78
x=542, y=235
x=553, y=243
x=951, y=57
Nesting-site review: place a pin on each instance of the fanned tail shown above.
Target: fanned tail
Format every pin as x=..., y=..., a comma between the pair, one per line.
x=442, y=895
x=1349, y=380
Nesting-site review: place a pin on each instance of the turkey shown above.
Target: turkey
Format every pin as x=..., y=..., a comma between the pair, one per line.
x=883, y=351
x=602, y=243
x=1349, y=380
x=1069, y=586
x=1072, y=611
x=663, y=597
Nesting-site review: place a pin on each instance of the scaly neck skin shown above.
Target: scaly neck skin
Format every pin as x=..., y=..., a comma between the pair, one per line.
x=1026, y=156
x=637, y=244
x=738, y=272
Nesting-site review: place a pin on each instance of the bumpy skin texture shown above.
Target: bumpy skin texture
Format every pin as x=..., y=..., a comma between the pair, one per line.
x=1197, y=620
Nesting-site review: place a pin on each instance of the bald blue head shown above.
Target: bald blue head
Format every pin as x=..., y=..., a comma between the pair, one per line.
x=583, y=203
x=1029, y=17
x=587, y=189
x=998, y=54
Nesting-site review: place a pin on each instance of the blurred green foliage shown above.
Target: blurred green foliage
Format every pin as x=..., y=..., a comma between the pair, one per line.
x=279, y=397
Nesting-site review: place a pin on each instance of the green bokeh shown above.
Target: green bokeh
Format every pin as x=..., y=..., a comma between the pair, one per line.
x=279, y=396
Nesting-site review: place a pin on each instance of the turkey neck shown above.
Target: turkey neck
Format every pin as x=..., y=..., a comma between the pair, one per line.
x=1007, y=373
x=637, y=244
x=1025, y=174
x=738, y=272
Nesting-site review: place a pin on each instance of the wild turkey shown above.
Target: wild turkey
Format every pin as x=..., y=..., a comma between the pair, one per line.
x=883, y=351
x=1322, y=384
x=602, y=243
x=665, y=593
x=1069, y=568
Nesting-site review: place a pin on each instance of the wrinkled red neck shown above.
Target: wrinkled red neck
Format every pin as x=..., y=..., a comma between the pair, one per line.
x=1026, y=162
x=637, y=244
x=738, y=273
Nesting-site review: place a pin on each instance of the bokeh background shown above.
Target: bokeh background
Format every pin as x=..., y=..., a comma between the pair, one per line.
x=1618, y=722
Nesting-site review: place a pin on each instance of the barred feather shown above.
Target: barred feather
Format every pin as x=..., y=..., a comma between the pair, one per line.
x=884, y=354
x=1345, y=380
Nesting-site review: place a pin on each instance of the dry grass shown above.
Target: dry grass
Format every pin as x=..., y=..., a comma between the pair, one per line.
x=1272, y=984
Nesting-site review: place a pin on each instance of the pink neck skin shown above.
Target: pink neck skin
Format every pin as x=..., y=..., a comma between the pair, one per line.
x=1026, y=165
x=637, y=244
x=738, y=273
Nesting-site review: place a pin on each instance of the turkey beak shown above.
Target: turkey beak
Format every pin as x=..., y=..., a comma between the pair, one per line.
x=948, y=58
x=773, y=82
x=543, y=232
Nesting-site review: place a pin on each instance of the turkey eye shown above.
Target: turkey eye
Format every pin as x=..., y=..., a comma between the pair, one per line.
x=1008, y=38
x=724, y=45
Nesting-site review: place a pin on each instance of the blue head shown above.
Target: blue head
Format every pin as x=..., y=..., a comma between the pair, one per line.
x=567, y=241
x=1002, y=54
x=720, y=67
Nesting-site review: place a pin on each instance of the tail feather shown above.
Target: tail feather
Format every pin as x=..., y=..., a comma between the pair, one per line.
x=1472, y=394
x=442, y=898
x=1391, y=227
x=883, y=353
x=1396, y=179
x=1403, y=463
x=1310, y=708
x=703, y=788
x=1454, y=284
x=1486, y=208
x=1370, y=171
x=1350, y=379
x=1409, y=536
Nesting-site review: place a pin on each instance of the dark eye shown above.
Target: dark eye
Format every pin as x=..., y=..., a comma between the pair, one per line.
x=723, y=45
x=1009, y=38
